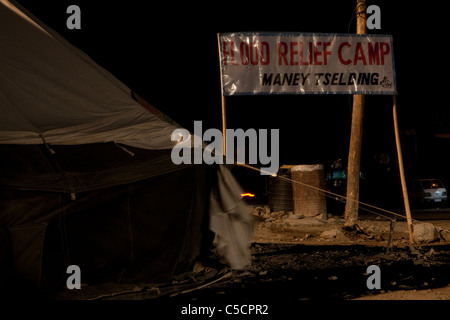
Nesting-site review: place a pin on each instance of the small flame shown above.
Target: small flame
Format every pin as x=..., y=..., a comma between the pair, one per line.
x=250, y=195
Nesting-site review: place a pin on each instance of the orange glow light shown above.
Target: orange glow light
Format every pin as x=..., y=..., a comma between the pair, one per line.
x=250, y=195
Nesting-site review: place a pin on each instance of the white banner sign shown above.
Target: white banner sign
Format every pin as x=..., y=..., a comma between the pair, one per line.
x=296, y=63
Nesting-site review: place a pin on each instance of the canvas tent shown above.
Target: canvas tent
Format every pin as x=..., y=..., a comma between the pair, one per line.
x=86, y=176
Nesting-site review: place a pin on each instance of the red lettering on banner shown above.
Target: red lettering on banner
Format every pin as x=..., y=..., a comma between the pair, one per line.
x=282, y=52
x=296, y=53
x=228, y=53
x=304, y=54
x=317, y=53
x=245, y=53
x=374, y=53
x=359, y=54
x=385, y=49
x=265, y=56
x=302, y=60
x=342, y=45
x=293, y=53
x=326, y=52
x=254, y=53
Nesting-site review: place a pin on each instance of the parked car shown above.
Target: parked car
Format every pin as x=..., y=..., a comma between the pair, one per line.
x=427, y=191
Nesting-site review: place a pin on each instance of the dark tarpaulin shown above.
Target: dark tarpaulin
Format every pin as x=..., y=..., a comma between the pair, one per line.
x=118, y=217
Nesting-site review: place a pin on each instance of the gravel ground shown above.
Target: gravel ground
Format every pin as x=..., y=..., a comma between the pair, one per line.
x=297, y=259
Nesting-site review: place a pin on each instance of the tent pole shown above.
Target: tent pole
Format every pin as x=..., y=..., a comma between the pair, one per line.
x=224, y=115
x=402, y=173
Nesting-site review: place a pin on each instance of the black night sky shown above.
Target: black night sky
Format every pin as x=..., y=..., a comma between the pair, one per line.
x=167, y=53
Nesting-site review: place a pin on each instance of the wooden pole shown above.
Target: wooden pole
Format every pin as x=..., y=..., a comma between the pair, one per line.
x=224, y=115
x=354, y=154
x=354, y=162
x=224, y=126
x=402, y=173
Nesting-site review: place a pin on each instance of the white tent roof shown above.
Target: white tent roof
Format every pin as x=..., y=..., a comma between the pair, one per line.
x=51, y=90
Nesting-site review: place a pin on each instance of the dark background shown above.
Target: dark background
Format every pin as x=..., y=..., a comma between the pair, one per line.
x=167, y=53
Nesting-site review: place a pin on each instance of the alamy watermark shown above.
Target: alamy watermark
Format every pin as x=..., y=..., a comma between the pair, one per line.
x=252, y=145
x=74, y=280
x=74, y=20
x=374, y=281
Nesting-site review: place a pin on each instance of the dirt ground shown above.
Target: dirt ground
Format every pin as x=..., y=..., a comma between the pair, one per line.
x=371, y=231
x=282, y=227
x=425, y=294
x=296, y=258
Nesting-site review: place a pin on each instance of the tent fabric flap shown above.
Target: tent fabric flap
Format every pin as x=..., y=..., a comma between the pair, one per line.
x=231, y=220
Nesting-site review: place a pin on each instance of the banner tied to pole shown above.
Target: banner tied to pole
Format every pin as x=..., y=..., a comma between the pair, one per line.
x=297, y=63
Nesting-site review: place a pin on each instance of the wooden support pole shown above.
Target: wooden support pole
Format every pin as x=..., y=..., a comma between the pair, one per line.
x=354, y=154
x=402, y=173
x=354, y=161
x=224, y=126
x=224, y=115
